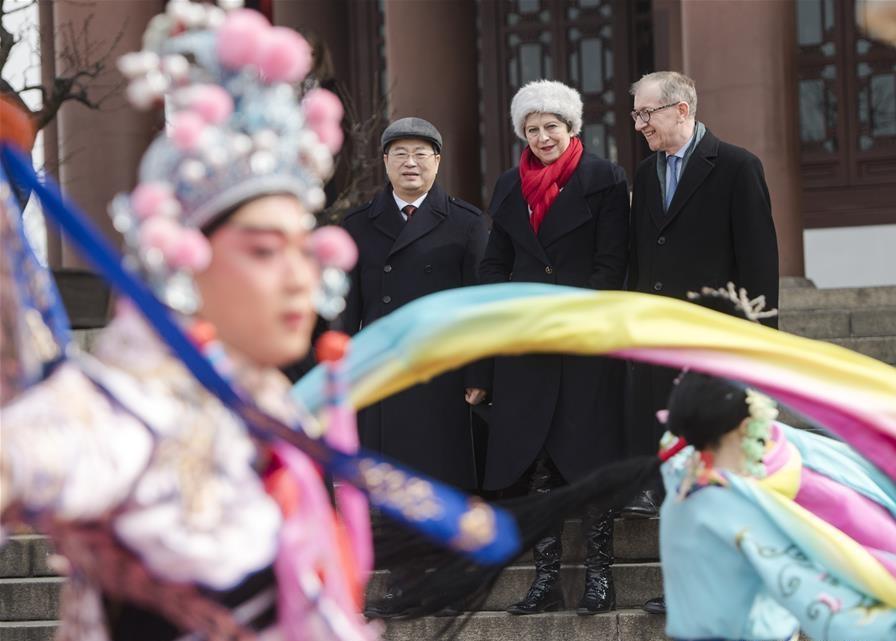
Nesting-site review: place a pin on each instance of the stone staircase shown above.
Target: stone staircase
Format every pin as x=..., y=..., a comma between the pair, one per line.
x=861, y=319
x=636, y=573
x=29, y=590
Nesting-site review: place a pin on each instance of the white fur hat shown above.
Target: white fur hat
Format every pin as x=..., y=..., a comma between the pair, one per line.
x=546, y=96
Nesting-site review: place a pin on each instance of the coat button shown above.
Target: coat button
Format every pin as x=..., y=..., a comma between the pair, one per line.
x=387, y=299
x=548, y=270
x=656, y=287
x=661, y=240
x=428, y=269
x=387, y=268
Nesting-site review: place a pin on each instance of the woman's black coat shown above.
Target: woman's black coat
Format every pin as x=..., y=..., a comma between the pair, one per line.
x=569, y=405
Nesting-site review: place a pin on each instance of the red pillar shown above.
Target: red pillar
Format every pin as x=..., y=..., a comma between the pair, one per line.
x=742, y=56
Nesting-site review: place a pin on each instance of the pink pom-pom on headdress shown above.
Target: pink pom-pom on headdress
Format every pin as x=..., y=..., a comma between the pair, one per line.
x=151, y=199
x=239, y=38
x=186, y=130
x=283, y=56
x=212, y=103
x=334, y=247
x=330, y=135
x=323, y=113
x=320, y=105
x=189, y=250
x=159, y=233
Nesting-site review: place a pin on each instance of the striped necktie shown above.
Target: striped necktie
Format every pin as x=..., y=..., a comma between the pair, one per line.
x=408, y=210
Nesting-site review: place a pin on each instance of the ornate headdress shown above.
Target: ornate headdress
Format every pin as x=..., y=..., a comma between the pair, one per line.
x=752, y=308
x=235, y=130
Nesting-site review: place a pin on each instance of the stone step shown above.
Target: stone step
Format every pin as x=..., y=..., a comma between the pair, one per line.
x=820, y=324
x=635, y=584
x=873, y=322
x=85, y=338
x=883, y=348
x=25, y=555
x=792, y=298
x=633, y=540
x=840, y=323
x=621, y=625
x=27, y=630
x=31, y=599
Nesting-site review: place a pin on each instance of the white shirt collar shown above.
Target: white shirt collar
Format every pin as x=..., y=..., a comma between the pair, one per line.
x=683, y=148
x=402, y=203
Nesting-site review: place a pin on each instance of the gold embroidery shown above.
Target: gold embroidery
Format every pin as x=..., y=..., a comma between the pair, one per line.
x=411, y=496
x=477, y=526
x=44, y=344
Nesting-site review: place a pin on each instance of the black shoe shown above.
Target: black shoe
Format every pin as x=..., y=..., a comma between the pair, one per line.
x=655, y=606
x=538, y=600
x=600, y=591
x=393, y=605
x=453, y=610
x=642, y=506
x=600, y=594
x=544, y=594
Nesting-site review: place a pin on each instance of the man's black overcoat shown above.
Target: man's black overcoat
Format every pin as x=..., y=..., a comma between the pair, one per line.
x=719, y=228
x=569, y=405
x=426, y=426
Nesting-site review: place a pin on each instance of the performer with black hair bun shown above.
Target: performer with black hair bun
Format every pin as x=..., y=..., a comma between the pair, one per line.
x=767, y=530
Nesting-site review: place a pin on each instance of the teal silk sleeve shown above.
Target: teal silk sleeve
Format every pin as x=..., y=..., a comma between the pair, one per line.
x=826, y=608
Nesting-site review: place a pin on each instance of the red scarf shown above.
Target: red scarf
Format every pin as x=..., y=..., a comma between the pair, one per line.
x=541, y=183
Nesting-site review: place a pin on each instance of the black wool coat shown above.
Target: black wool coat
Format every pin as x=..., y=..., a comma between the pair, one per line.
x=571, y=406
x=428, y=425
x=719, y=228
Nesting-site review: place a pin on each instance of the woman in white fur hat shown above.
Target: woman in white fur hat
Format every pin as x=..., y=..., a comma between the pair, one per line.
x=560, y=217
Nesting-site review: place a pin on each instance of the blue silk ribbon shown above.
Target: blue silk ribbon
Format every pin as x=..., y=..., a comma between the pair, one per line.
x=433, y=509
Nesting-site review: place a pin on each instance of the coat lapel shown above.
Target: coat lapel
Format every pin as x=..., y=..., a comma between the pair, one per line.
x=512, y=212
x=655, y=197
x=568, y=212
x=385, y=214
x=699, y=166
x=433, y=210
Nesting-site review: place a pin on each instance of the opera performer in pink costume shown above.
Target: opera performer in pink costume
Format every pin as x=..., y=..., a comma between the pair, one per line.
x=172, y=521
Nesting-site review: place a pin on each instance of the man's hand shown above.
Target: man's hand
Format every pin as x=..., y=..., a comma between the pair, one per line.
x=475, y=395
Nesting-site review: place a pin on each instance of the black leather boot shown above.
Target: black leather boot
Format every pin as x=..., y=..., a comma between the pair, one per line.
x=600, y=592
x=544, y=594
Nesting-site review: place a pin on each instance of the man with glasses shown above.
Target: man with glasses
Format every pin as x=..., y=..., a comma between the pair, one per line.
x=701, y=216
x=413, y=240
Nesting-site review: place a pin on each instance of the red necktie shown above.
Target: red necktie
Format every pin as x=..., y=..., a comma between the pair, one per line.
x=408, y=210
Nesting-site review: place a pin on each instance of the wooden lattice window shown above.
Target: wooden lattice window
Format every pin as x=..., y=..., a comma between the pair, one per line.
x=588, y=44
x=847, y=109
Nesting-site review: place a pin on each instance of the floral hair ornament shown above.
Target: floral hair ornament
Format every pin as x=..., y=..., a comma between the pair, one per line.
x=763, y=412
x=752, y=308
x=235, y=131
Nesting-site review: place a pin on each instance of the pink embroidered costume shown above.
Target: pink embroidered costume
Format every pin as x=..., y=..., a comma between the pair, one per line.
x=173, y=522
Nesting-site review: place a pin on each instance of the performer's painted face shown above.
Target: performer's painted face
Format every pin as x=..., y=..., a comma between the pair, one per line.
x=259, y=286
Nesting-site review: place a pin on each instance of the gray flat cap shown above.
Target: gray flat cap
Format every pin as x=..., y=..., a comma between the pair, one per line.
x=412, y=128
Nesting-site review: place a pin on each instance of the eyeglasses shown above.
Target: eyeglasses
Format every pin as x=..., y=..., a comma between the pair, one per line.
x=401, y=157
x=644, y=114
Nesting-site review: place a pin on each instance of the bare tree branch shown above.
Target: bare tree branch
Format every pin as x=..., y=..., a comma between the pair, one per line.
x=7, y=40
x=362, y=165
x=9, y=12
x=82, y=61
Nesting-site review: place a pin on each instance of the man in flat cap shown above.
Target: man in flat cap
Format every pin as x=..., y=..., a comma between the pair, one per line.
x=413, y=240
